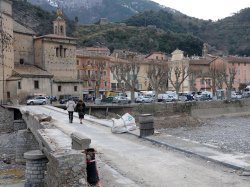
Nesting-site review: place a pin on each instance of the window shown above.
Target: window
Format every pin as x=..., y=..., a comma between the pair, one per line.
x=156, y=57
x=55, y=29
x=61, y=30
x=75, y=88
x=245, y=64
x=64, y=54
x=59, y=88
x=21, y=61
x=19, y=85
x=57, y=52
x=105, y=83
x=36, y=84
x=8, y=95
x=61, y=50
x=113, y=85
x=238, y=72
x=77, y=62
x=238, y=64
x=104, y=73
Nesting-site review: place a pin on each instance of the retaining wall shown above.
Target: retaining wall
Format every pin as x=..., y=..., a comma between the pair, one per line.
x=6, y=120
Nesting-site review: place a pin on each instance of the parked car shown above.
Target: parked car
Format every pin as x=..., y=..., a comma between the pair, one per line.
x=145, y=99
x=63, y=98
x=75, y=98
x=205, y=97
x=107, y=99
x=121, y=99
x=39, y=100
x=236, y=95
x=170, y=98
x=52, y=98
x=67, y=98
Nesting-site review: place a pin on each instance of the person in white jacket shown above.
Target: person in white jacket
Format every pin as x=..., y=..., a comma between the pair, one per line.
x=70, y=108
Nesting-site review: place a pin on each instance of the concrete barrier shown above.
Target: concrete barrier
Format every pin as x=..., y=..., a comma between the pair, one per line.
x=79, y=141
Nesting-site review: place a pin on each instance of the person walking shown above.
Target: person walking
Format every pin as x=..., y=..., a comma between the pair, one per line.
x=70, y=108
x=80, y=108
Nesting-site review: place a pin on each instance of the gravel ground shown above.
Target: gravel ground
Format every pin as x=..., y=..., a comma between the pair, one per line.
x=230, y=134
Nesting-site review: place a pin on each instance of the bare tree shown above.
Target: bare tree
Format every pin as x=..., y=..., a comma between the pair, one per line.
x=100, y=65
x=229, y=77
x=157, y=74
x=196, y=73
x=177, y=75
x=127, y=72
x=216, y=72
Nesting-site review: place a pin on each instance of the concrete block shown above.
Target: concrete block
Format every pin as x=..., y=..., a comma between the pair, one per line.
x=79, y=141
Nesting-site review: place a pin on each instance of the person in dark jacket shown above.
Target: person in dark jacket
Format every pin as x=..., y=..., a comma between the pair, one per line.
x=80, y=108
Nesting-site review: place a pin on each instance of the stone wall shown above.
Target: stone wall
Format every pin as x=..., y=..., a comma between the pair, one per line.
x=19, y=125
x=6, y=120
x=8, y=145
x=66, y=169
x=196, y=109
x=25, y=142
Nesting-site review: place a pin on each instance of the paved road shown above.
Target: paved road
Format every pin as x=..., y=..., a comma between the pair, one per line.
x=142, y=164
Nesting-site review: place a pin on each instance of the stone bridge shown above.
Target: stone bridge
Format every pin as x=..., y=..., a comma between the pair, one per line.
x=53, y=157
x=53, y=149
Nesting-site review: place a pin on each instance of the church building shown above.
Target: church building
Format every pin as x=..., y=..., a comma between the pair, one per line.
x=35, y=65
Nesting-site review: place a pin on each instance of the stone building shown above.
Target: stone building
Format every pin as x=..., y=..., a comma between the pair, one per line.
x=36, y=65
x=6, y=49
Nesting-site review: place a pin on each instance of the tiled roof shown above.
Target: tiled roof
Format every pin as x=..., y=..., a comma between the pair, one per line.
x=13, y=78
x=201, y=61
x=237, y=59
x=55, y=36
x=30, y=71
x=22, y=29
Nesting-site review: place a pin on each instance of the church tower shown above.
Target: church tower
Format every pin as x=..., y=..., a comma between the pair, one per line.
x=59, y=25
x=205, y=50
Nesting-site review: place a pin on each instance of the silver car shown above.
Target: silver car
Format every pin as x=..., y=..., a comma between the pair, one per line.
x=121, y=99
x=40, y=100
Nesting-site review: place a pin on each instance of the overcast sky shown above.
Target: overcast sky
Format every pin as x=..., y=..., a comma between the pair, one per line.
x=206, y=9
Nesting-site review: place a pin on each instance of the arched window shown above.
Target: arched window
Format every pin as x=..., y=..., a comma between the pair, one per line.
x=61, y=50
x=55, y=30
x=61, y=30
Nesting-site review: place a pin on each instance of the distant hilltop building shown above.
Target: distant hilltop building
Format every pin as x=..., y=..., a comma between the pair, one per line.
x=103, y=21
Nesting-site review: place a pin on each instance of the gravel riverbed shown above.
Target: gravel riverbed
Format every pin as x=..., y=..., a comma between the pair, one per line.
x=230, y=134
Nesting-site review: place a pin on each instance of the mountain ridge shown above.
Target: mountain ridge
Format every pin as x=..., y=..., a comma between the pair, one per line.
x=90, y=11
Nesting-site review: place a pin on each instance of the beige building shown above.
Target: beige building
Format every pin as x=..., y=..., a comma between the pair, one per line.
x=179, y=64
x=30, y=65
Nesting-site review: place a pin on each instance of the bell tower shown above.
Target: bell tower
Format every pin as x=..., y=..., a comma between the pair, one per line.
x=59, y=24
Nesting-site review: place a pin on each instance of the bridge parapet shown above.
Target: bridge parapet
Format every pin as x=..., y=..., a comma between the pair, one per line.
x=66, y=166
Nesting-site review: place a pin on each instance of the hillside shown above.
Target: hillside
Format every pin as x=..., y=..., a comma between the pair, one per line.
x=226, y=36
x=140, y=39
x=36, y=18
x=229, y=35
x=90, y=11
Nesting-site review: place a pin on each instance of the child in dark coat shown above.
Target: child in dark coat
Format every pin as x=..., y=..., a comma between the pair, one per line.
x=80, y=108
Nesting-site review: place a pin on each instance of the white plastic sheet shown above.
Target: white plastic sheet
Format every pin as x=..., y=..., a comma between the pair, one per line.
x=124, y=124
